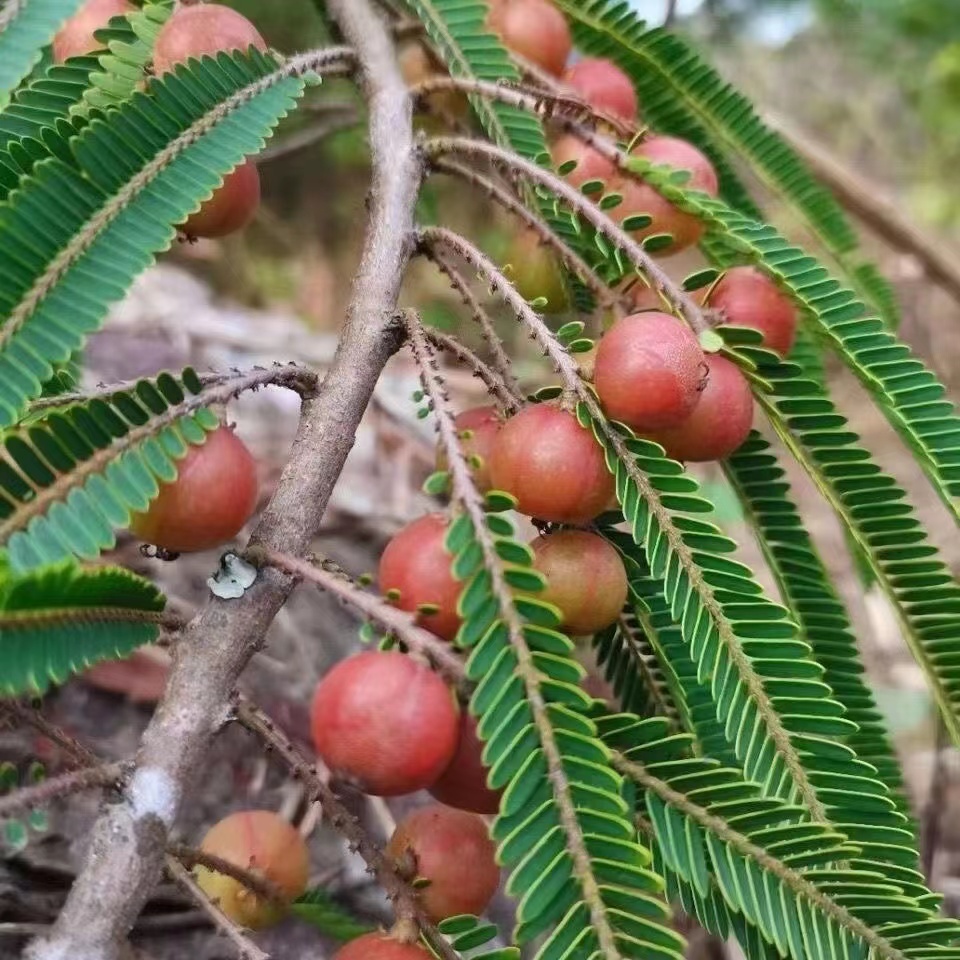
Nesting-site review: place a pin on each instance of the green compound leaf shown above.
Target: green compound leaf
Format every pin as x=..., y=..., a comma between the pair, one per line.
x=62, y=619
x=79, y=229
x=69, y=480
x=25, y=29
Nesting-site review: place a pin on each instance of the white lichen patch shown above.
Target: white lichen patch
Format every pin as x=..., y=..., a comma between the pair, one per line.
x=233, y=579
x=153, y=793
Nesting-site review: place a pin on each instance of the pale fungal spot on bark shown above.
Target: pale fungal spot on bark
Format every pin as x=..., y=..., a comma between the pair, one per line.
x=153, y=793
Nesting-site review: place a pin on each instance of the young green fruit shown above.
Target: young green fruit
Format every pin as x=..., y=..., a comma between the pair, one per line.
x=585, y=576
x=214, y=495
x=264, y=844
x=649, y=371
x=553, y=466
x=415, y=571
x=721, y=421
x=385, y=722
x=452, y=849
x=75, y=38
x=536, y=272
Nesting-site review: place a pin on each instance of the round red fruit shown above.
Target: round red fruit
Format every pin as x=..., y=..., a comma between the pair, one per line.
x=747, y=297
x=75, y=38
x=202, y=30
x=452, y=849
x=385, y=722
x=464, y=783
x=586, y=579
x=415, y=568
x=640, y=198
x=536, y=272
x=264, y=844
x=721, y=421
x=649, y=371
x=379, y=946
x=533, y=29
x=482, y=424
x=232, y=206
x=604, y=86
x=214, y=495
x=591, y=164
x=554, y=467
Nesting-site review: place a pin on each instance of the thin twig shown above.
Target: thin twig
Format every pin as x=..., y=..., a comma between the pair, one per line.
x=330, y=122
x=76, y=781
x=246, y=948
x=257, y=883
x=685, y=305
x=128, y=842
x=79, y=755
x=508, y=400
x=398, y=622
x=670, y=14
x=500, y=361
x=605, y=296
x=399, y=892
x=935, y=807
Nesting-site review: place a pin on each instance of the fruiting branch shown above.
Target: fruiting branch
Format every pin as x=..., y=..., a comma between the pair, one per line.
x=569, y=372
x=469, y=499
x=441, y=147
x=398, y=890
x=327, y=576
x=129, y=839
x=76, y=781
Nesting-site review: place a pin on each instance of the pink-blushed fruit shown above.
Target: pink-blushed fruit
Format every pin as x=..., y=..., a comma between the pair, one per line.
x=385, y=722
x=591, y=164
x=264, y=844
x=604, y=86
x=586, y=579
x=641, y=198
x=554, y=467
x=464, y=783
x=202, y=30
x=649, y=371
x=75, y=38
x=214, y=495
x=721, y=421
x=453, y=850
x=483, y=424
x=747, y=297
x=533, y=29
x=232, y=206
x=379, y=946
x=415, y=568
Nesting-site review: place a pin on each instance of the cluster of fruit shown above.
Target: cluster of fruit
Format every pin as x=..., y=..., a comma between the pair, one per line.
x=191, y=31
x=448, y=851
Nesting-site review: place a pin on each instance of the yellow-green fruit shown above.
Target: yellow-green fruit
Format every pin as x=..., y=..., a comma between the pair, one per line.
x=536, y=272
x=263, y=844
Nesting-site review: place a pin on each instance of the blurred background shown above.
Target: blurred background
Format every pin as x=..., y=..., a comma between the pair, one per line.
x=875, y=84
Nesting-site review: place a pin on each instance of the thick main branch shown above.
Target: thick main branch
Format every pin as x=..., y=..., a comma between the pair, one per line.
x=127, y=848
